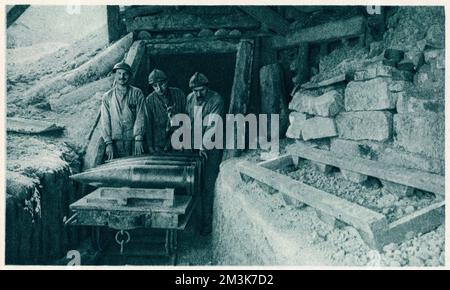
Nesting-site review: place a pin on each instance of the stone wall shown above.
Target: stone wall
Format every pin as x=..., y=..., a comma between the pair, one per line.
x=389, y=101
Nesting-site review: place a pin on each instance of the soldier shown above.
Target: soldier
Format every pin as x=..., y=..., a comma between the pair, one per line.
x=211, y=103
x=163, y=103
x=123, y=116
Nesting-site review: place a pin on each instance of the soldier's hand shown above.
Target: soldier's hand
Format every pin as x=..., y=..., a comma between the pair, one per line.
x=109, y=151
x=138, y=148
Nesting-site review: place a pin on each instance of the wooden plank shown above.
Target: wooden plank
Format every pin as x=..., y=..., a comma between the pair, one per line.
x=181, y=204
x=134, y=196
x=277, y=163
x=333, y=80
x=240, y=92
x=114, y=23
x=129, y=201
x=361, y=218
x=14, y=13
x=139, y=193
x=164, y=221
x=308, y=9
x=215, y=46
x=184, y=219
x=330, y=31
x=410, y=177
x=203, y=40
x=421, y=221
x=135, y=11
x=267, y=16
x=189, y=22
x=301, y=65
x=28, y=126
x=135, y=55
x=272, y=94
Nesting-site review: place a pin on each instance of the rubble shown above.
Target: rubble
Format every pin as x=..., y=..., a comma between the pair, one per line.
x=328, y=104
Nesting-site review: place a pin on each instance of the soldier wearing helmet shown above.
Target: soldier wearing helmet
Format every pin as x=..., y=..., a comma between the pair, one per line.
x=161, y=105
x=211, y=103
x=123, y=115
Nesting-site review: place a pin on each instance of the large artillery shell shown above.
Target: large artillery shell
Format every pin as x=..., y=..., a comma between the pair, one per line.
x=160, y=156
x=140, y=176
x=198, y=166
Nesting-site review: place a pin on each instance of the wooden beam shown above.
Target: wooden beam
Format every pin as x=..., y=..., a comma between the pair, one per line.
x=323, y=33
x=421, y=221
x=308, y=9
x=410, y=177
x=267, y=16
x=333, y=80
x=240, y=92
x=273, y=97
x=277, y=163
x=360, y=217
x=115, y=26
x=181, y=204
x=199, y=46
x=140, y=193
x=28, y=126
x=187, y=22
x=14, y=13
x=136, y=11
x=134, y=55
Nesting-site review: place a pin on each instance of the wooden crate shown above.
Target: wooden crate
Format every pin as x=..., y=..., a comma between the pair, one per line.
x=125, y=195
x=94, y=210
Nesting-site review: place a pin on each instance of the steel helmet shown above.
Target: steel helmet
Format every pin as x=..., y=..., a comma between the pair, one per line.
x=198, y=80
x=156, y=76
x=122, y=65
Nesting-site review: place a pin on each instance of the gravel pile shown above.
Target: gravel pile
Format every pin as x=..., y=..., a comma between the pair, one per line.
x=423, y=250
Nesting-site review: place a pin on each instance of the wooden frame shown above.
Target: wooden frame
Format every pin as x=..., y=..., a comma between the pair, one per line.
x=91, y=210
x=373, y=227
x=186, y=46
x=346, y=28
x=243, y=72
x=411, y=177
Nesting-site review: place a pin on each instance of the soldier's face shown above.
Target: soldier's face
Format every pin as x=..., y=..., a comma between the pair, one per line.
x=160, y=87
x=122, y=77
x=200, y=92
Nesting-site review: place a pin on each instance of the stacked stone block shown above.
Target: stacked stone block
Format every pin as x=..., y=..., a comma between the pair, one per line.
x=392, y=110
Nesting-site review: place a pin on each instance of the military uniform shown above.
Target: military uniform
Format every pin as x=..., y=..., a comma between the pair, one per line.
x=211, y=103
x=123, y=119
x=159, y=110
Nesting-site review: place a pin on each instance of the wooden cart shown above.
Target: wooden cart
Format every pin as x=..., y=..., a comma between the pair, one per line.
x=127, y=209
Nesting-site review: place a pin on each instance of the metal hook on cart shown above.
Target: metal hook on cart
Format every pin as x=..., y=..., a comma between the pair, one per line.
x=124, y=241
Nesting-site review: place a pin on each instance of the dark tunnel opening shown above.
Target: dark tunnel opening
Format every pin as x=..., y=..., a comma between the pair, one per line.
x=219, y=68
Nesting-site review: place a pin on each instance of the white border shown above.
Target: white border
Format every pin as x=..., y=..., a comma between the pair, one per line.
x=200, y=2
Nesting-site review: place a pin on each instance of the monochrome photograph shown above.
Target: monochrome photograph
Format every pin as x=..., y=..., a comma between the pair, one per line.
x=218, y=135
